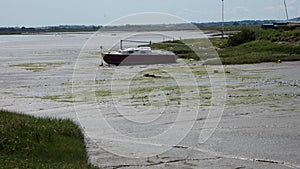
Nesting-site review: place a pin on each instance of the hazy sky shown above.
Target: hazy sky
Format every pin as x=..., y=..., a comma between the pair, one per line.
x=99, y=12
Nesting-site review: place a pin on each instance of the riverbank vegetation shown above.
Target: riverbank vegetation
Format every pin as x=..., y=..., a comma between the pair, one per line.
x=29, y=142
x=258, y=45
x=245, y=46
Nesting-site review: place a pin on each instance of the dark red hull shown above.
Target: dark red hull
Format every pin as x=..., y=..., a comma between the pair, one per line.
x=118, y=59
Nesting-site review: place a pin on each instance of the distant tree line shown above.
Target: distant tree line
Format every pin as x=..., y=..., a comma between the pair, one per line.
x=234, y=23
x=63, y=28
x=83, y=28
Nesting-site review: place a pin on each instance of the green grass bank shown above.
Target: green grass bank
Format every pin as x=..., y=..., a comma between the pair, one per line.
x=258, y=45
x=245, y=46
x=30, y=142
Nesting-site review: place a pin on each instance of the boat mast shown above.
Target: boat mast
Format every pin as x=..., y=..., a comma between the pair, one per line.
x=286, y=10
x=222, y=18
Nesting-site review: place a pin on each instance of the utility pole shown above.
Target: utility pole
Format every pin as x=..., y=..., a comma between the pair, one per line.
x=286, y=11
x=223, y=18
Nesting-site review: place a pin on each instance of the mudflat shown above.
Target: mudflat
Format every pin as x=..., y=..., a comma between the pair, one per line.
x=58, y=75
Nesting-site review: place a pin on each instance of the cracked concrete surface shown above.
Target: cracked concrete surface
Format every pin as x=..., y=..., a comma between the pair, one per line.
x=258, y=129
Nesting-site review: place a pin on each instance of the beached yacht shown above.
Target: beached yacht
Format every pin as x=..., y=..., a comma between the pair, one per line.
x=138, y=56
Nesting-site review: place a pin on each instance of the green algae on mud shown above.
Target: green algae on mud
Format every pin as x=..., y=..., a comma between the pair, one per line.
x=38, y=66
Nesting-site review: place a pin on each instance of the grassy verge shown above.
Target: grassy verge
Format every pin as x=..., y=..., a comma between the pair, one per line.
x=29, y=142
x=258, y=51
x=251, y=45
x=257, y=45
